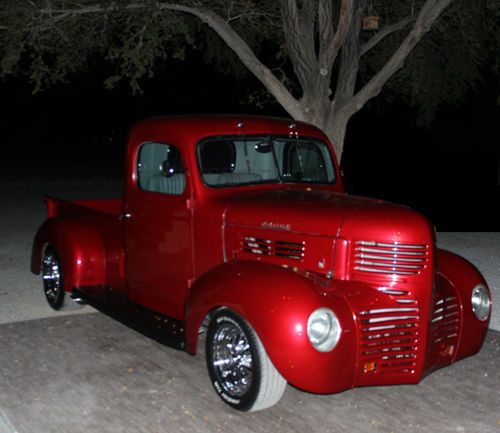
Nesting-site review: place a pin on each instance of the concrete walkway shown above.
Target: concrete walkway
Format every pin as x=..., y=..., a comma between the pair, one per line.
x=88, y=373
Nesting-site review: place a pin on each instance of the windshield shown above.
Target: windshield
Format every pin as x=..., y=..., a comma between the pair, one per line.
x=229, y=161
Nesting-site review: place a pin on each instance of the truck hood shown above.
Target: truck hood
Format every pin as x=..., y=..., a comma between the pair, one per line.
x=297, y=211
x=330, y=233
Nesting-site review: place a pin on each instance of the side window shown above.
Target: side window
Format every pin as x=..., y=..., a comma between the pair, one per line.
x=160, y=169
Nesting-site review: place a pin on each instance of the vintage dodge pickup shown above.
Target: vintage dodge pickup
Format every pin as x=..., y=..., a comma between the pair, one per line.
x=237, y=230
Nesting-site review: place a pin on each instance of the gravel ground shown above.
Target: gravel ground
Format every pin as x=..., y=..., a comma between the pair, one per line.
x=483, y=250
x=22, y=211
x=89, y=373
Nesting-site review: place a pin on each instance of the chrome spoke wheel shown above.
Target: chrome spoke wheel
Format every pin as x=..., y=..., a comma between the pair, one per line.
x=232, y=359
x=241, y=372
x=51, y=272
x=53, y=283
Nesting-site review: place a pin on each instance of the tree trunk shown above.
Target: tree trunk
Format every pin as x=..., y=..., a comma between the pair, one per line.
x=335, y=131
x=319, y=112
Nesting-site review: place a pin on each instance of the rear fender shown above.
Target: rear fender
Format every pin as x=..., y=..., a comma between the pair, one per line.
x=277, y=302
x=79, y=247
x=463, y=277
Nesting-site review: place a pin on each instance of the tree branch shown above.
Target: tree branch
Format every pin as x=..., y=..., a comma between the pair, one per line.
x=325, y=21
x=429, y=13
x=298, y=28
x=217, y=24
x=246, y=55
x=330, y=44
x=386, y=31
x=349, y=62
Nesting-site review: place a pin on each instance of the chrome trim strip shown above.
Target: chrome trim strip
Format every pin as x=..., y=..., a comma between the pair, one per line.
x=223, y=233
x=382, y=271
x=391, y=257
x=392, y=251
x=387, y=310
x=393, y=265
x=390, y=318
x=394, y=245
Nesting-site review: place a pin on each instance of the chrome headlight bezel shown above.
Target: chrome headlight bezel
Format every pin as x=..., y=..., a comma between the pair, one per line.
x=323, y=329
x=481, y=302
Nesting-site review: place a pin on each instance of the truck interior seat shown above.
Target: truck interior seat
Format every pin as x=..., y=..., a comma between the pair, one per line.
x=235, y=178
x=175, y=184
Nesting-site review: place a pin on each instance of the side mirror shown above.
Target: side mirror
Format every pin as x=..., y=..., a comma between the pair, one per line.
x=167, y=169
x=264, y=147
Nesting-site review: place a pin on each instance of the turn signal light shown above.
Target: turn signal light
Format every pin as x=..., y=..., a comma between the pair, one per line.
x=369, y=367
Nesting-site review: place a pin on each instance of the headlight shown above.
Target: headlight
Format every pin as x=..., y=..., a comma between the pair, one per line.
x=323, y=329
x=481, y=302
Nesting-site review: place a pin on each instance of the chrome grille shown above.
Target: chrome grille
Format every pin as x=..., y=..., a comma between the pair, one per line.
x=445, y=318
x=269, y=247
x=445, y=322
x=389, y=338
x=390, y=258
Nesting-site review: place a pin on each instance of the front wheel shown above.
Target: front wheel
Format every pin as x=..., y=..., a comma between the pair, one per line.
x=53, y=287
x=239, y=368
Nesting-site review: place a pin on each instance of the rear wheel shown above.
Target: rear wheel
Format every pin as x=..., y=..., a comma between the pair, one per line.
x=241, y=372
x=53, y=286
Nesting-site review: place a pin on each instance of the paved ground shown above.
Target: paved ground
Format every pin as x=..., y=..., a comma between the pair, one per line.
x=88, y=373
x=483, y=250
x=22, y=210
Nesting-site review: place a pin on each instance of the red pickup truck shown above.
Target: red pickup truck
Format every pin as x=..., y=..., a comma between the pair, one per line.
x=238, y=229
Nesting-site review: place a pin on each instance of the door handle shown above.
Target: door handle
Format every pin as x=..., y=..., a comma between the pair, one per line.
x=125, y=216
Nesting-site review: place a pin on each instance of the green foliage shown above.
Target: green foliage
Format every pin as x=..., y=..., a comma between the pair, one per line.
x=142, y=39
x=51, y=41
x=51, y=45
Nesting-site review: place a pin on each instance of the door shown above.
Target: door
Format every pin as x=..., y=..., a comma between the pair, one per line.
x=157, y=230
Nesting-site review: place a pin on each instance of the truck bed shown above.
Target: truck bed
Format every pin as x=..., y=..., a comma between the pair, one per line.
x=57, y=206
x=103, y=215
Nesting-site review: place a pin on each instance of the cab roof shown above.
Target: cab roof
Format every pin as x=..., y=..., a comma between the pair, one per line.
x=186, y=130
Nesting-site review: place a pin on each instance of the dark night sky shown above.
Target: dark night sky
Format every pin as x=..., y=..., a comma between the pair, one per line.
x=447, y=171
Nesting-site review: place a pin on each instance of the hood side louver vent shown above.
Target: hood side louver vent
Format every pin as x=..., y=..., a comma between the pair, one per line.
x=269, y=247
x=257, y=246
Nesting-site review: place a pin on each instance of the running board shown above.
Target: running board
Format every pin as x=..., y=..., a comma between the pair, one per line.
x=156, y=326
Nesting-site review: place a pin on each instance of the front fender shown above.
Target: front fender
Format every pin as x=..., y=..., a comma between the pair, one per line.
x=277, y=302
x=79, y=247
x=463, y=277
